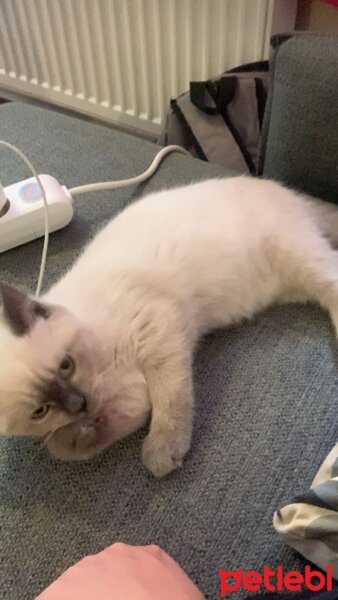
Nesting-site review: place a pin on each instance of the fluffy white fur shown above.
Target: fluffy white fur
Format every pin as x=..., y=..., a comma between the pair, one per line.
x=168, y=269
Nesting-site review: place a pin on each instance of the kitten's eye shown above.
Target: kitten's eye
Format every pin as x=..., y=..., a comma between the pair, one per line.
x=41, y=412
x=66, y=367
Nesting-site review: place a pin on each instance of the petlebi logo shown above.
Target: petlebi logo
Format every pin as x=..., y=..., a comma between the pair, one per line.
x=274, y=580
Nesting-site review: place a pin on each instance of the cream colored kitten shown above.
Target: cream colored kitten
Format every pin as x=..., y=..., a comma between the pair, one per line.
x=111, y=344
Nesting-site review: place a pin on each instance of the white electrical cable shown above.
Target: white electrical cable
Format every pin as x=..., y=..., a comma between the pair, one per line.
x=92, y=187
x=46, y=240
x=112, y=185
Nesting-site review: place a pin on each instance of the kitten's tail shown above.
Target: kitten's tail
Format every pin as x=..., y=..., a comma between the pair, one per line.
x=326, y=215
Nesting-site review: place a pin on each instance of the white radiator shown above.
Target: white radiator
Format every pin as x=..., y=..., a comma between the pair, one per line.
x=122, y=60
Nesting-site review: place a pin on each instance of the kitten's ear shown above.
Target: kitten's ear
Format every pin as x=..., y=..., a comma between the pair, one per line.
x=20, y=311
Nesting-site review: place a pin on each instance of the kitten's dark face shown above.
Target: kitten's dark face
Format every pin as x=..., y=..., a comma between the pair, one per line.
x=49, y=367
x=57, y=380
x=57, y=391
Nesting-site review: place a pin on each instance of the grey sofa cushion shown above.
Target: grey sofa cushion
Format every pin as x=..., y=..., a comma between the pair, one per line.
x=266, y=396
x=300, y=132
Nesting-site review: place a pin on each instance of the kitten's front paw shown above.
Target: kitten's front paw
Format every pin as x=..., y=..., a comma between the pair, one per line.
x=164, y=452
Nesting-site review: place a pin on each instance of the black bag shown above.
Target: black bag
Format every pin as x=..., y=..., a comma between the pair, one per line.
x=220, y=120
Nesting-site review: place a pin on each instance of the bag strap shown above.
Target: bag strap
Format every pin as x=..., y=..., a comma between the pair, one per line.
x=260, y=66
x=222, y=92
x=179, y=114
x=200, y=98
x=261, y=97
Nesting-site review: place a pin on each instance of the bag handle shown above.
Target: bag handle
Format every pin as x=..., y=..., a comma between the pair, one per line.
x=260, y=66
x=205, y=94
x=199, y=97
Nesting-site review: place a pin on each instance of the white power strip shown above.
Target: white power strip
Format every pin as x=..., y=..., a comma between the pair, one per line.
x=23, y=212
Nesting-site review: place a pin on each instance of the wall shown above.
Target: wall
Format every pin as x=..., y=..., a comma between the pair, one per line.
x=315, y=15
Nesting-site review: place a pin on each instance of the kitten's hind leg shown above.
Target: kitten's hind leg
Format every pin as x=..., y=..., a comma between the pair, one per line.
x=311, y=273
x=171, y=396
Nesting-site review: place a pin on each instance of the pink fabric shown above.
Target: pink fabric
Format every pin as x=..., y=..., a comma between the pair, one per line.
x=123, y=572
x=334, y=2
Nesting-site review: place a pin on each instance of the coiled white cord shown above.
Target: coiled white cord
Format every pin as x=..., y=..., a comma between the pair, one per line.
x=46, y=239
x=113, y=185
x=91, y=187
